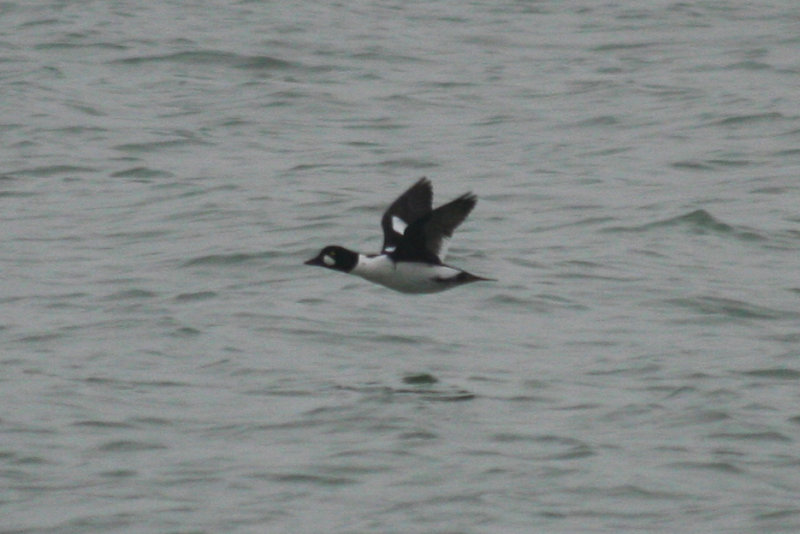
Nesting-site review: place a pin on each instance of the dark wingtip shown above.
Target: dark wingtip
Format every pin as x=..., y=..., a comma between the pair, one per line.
x=469, y=198
x=467, y=201
x=423, y=182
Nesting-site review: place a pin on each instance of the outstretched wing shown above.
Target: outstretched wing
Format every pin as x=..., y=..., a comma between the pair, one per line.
x=409, y=207
x=427, y=238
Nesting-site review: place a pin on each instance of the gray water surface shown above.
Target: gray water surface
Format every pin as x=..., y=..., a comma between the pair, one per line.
x=167, y=364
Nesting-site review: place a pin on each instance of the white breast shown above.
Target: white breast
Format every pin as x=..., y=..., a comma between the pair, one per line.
x=406, y=277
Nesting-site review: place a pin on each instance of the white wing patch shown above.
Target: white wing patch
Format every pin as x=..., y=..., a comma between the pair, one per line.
x=399, y=225
x=443, y=248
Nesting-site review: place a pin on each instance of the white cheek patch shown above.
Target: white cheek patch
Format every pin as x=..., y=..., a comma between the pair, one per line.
x=327, y=260
x=398, y=225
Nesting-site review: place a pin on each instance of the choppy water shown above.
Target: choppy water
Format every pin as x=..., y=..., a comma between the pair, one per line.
x=168, y=365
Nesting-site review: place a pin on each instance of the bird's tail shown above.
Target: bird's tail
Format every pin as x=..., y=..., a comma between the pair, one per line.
x=464, y=277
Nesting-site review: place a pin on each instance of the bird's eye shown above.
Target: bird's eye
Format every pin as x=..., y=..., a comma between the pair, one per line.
x=332, y=254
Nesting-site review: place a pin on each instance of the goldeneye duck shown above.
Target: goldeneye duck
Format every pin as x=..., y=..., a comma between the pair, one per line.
x=415, y=240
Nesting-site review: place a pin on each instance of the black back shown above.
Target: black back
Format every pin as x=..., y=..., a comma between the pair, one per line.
x=409, y=207
x=425, y=239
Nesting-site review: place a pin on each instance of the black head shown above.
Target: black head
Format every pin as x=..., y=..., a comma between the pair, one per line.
x=335, y=257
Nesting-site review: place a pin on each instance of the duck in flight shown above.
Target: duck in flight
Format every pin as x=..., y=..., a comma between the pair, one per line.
x=415, y=240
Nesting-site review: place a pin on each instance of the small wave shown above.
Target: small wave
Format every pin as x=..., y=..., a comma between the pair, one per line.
x=314, y=479
x=698, y=221
x=111, y=425
x=728, y=307
x=17, y=194
x=392, y=339
x=781, y=373
x=198, y=295
x=720, y=467
x=131, y=294
x=65, y=45
x=753, y=436
x=52, y=170
x=151, y=146
x=551, y=447
x=738, y=120
x=185, y=331
x=599, y=120
x=420, y=385
x=224, y=259
x=407, y=163
x=210, y=57
x=130, y=446
x=611, y=47
x=41, y=338
x=142, y=172
x=420, y=378
x=514, y=299
x=750, y=65
x=710, y=164
x=439, y=396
